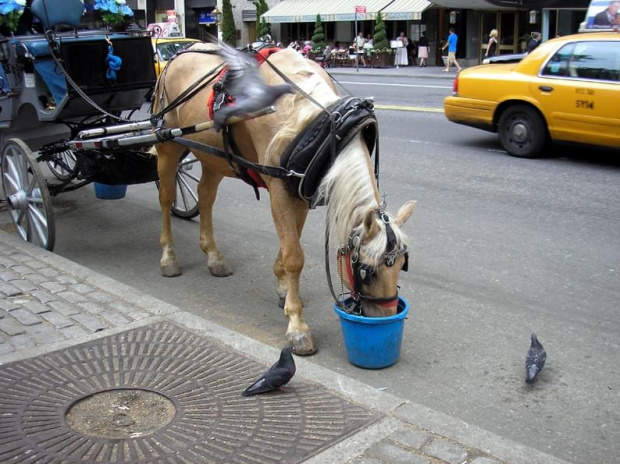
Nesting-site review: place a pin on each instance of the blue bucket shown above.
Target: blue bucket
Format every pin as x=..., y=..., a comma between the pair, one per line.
x=373, y=342
x=110, y=192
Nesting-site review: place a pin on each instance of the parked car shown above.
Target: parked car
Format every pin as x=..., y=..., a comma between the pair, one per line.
x=566, y=90
x=165, y=48
x=507, y=58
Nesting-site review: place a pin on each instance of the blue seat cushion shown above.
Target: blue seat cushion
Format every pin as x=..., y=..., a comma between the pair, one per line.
x=58, y=12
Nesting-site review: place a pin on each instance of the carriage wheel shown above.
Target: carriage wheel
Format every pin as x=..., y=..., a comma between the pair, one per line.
x=188, y=176
x=63, y=165
x=27, y=195
x=189, y=171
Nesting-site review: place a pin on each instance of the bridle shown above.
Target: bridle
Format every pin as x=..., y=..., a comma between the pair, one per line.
x=360, y=274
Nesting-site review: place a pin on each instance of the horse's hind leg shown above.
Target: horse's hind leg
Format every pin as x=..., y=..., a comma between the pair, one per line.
x=207, y=193
x=167, y=165
x=289, y=216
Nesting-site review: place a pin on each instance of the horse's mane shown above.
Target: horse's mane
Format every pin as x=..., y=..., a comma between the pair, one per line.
x=348, y=191
x=347, y=188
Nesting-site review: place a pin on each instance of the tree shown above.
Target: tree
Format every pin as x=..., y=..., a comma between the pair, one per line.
x=380, y=39
x=229, y=31
x=261, y=24
x=318, y=39
x=264, y=28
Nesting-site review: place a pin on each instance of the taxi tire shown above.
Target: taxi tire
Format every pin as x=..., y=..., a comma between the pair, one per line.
x=522, y=131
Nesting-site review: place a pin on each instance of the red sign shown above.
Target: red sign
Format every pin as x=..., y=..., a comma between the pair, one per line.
x=360, y=9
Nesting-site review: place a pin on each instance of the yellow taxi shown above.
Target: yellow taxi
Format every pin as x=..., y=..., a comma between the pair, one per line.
x=566, y=90
x=165, y=48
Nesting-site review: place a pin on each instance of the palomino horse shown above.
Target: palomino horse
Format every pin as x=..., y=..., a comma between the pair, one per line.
x=358, y=226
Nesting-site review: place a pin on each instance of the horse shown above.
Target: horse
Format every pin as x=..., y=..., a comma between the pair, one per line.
x=371, y=243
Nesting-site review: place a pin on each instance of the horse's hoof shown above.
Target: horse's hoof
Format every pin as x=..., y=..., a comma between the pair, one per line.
x=171, y=270
x=301, y=343
x=220, y=269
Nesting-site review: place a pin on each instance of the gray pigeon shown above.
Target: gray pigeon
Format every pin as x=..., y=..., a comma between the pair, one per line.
x=535, y=360
x=246, y=85
x=276, y=376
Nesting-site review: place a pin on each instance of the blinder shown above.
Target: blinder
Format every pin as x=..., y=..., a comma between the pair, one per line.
x=363, y=273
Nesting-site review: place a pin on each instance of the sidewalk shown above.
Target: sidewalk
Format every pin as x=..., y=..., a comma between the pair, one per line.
x=429, y=72
x=67, y=333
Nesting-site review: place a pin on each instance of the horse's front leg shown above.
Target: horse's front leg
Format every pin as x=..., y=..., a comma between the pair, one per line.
x=289, y=215
x=207, y=193
x=167, y=164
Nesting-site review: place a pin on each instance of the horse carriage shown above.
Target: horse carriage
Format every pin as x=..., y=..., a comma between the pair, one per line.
x=79, y=86
x=280, y=123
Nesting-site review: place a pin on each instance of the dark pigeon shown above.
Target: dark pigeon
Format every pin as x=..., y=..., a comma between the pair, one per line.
x=278, y=375
x=246, y=85
x=535, y=360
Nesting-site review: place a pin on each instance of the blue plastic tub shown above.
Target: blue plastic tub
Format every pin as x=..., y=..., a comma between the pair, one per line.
x=373, y=342
x=110, y=192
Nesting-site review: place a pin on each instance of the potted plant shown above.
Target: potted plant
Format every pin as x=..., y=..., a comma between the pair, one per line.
x=381, y=55
x=113, y=12
x=10, y=11
x=318, y=39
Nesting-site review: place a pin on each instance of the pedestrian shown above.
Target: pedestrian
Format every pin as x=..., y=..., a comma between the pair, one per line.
x=533, y=42
x=492, y=45
x=401, y=51
x=359, y=48
x=423, y=50
x=451, y=44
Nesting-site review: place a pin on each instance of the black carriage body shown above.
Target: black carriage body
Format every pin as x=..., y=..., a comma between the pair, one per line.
x=36, y=91
x=85, y=62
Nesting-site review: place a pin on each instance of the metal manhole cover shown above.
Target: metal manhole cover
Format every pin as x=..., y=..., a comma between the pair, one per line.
x=163, y=394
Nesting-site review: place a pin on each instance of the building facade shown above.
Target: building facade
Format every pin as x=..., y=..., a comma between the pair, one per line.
x=290, y=20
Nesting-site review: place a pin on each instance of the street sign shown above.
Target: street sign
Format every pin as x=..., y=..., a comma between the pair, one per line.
x=360, y=9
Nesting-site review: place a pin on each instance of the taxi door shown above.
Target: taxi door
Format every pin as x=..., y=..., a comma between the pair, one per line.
x=579, y=92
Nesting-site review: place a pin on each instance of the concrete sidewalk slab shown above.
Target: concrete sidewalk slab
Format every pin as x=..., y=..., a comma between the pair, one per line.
x=406, y=432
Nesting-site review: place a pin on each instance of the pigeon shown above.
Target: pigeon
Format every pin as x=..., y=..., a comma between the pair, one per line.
x=535, y=360
x=245, y=84
x=276, y=376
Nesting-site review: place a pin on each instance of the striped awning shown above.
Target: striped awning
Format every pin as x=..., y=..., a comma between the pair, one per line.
x=305, y=11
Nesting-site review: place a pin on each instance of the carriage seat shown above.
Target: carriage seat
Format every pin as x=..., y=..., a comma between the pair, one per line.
x=58, y=12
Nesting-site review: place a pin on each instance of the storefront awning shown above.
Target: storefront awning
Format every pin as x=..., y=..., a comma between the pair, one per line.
x=493, y=5
x=305, y=11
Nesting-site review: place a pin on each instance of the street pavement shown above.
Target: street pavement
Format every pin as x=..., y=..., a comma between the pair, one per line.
x=433, y=72
x=50, y=303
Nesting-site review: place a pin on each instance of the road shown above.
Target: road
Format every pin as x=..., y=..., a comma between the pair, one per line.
x=500, y=247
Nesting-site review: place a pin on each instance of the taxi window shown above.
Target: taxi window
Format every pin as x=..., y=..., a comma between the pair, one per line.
x=167, y=49
x=558, y=64
x=598, y=60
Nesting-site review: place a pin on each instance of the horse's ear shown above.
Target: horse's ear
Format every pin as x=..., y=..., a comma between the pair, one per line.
x=404, y=213
x=371, y=228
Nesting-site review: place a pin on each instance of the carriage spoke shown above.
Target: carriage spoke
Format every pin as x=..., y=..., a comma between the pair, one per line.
x=38, y=224
x=13, y=175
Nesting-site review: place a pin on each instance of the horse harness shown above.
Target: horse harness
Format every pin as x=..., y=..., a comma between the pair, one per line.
x=308, y=157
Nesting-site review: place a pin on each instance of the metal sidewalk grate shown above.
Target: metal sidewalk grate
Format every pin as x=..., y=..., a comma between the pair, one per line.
x=199, y=382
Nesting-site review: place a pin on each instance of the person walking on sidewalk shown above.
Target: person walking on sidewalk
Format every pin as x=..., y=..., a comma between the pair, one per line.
x=423, y=47
x=359, y=48
x=492, y=45
x=451, y=44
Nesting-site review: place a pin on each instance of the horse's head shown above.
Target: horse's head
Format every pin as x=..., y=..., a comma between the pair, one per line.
x=370, y=263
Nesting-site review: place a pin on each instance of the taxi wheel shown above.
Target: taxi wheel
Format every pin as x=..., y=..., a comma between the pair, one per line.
x=522, y=131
